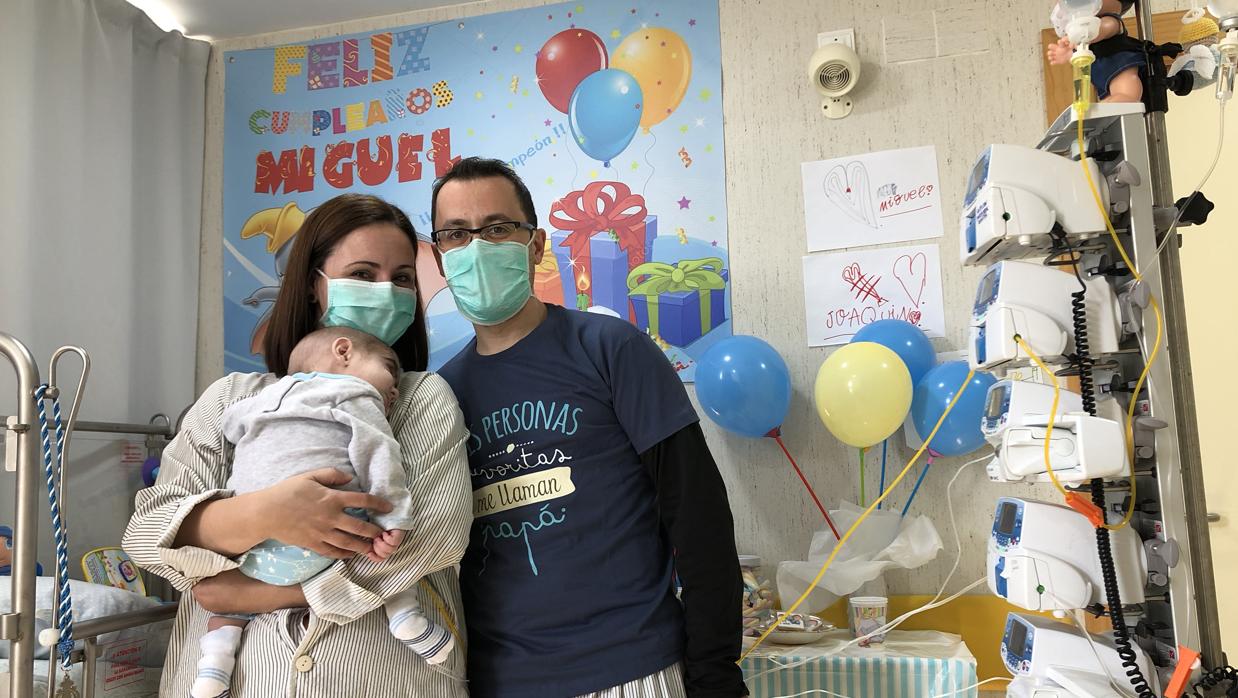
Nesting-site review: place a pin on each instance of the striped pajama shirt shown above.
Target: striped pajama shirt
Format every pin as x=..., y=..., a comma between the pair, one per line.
x=341, y=646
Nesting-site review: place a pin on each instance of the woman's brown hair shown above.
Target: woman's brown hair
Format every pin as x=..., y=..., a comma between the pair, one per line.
x=296, y=314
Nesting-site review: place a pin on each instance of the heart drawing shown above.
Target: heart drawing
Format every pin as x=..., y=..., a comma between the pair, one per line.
x=848, y=189
x=912, y=272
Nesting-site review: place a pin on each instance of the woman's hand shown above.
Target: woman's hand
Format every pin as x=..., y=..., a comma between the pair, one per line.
x=233, y=592
x=306, y=512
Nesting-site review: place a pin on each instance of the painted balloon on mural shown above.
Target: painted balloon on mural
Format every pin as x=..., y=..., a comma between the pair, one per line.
x=564, y=60
x=660, y=61
x=604, y=113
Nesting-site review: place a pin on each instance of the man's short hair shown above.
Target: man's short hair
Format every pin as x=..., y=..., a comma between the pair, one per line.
x=480, y=168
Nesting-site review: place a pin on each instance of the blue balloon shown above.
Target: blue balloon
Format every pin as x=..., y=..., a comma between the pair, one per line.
x=904, y=339
x=743, y=385
x=604, y=113
x=960, y=432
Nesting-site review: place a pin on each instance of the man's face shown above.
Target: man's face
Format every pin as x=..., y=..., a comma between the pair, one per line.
x=477, y=202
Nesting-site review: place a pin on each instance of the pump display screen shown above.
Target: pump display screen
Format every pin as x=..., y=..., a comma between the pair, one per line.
x=987, y=290
x=979, y=175
x=1017, y=643
x=993, y=410
x=1007, y=514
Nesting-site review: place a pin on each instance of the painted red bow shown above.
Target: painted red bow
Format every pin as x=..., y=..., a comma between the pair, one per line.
x=600, y=207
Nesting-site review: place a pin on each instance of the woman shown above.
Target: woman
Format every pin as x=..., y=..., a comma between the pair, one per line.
x=328, y=636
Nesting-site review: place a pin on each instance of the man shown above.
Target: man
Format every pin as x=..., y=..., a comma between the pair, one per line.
x=591, y=476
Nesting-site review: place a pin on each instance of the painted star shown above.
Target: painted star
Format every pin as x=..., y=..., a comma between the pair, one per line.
x=481, y=36
x=550, y=180
x=684, y=202
x=518, y=48
x=683, y=129
x=593, y=174
x=705, y=95
x=615, y=34
x=478, y=94
x=712, y=219
x=524, y=92
x=700, y=123
x=692, y=23
x=580, y=8
x=546, y=123
x=635, y=165
x=709, y=148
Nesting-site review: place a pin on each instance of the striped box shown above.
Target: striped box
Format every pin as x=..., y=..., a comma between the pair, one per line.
x=887, y=672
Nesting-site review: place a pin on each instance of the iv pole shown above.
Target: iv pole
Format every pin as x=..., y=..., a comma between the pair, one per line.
x=1183, y=388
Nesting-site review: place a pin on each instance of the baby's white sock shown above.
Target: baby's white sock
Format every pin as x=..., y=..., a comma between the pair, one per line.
x=410, y=626
x=218, y=658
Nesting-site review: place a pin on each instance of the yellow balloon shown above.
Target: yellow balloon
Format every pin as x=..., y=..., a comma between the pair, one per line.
x=662, y=64
x=863, y=393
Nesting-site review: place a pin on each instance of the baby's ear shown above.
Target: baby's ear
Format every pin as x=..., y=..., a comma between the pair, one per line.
x=341, y=347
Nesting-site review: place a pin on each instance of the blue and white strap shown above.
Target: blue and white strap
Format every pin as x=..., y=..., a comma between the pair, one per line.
x=54, y=471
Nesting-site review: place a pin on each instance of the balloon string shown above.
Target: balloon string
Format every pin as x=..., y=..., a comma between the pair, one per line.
x=808, y=486
x=883, y=468
x=928, y=462
x=654, y=138
x=863, y=496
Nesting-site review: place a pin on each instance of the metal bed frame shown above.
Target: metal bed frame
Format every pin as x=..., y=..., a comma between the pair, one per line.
x=22, y=454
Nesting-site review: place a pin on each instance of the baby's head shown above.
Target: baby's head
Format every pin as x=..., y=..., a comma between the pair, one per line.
x=349, y=352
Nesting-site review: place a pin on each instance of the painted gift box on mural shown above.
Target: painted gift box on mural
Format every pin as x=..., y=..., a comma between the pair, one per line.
x=679, y=302
x=602, y=233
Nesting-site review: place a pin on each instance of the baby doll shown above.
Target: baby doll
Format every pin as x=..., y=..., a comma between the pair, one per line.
x=1200, y=56
x=1117, y=71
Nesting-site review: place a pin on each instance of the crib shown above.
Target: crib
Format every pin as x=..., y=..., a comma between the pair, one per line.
x=23, y=454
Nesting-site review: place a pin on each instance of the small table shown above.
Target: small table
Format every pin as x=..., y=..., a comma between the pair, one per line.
x=909, y=664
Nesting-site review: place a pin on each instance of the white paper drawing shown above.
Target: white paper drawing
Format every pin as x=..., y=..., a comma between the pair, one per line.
x=844, y=291
x=883, y=197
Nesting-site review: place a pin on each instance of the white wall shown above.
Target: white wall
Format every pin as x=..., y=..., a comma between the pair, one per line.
x=1208, y=253
x=959, y=104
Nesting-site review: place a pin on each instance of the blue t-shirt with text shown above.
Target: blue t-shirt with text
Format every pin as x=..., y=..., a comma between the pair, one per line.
x=567, y=579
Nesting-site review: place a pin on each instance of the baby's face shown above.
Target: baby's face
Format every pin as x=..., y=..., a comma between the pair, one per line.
x=379, y=370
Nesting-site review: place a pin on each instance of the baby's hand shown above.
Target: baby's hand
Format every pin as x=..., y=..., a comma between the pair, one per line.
x=1060, y=52
x=385, y=545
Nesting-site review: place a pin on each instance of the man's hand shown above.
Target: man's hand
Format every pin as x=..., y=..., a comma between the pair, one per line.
x=233, y=592
x=385, y=545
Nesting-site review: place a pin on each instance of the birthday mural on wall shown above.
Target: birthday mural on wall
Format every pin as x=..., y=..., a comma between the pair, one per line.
x=610, y=111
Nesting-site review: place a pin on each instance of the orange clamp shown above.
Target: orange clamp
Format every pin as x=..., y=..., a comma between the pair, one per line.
x=1188, y=659
x=1084, y=506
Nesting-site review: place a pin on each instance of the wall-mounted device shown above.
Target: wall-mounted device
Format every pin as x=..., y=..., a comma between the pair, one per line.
x=1049, y=658
x=1034, y=301
x=1042, y=557
x=1017, y=196
x=834, y=71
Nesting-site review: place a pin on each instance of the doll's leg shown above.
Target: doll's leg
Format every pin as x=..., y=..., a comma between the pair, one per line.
x=409, y=625
x=1125, y=87
x=219, y=646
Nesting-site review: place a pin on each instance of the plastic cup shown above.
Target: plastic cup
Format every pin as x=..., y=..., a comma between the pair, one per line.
x=868, y=613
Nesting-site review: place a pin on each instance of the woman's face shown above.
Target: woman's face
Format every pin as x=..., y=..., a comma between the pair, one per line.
x=377, y=252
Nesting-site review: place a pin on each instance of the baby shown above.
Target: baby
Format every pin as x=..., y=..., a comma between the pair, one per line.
x=331, y=411
x=1116, y=73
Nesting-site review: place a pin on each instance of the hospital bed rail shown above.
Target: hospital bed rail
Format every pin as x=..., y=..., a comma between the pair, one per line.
x=22, y=454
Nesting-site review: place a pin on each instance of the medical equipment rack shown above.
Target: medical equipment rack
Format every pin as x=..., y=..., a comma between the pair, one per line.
x=1184, y=613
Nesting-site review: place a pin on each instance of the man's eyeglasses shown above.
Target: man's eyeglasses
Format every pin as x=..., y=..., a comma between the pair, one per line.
x=452, y=238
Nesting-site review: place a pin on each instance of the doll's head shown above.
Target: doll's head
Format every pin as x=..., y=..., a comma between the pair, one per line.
x=1202, y=32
